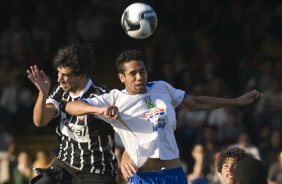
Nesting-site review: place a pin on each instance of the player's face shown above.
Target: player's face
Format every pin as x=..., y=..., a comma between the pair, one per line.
x=227, y=171
x=134, y=77
x=67, y=80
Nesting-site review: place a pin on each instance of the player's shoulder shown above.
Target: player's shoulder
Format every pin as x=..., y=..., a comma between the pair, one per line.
x=98, y=88
x=56, y=91
x=159, y=83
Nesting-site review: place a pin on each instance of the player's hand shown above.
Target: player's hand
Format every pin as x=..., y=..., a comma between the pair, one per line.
x=39, y=79
x=127, y=166
x=248, y=98
x=109, y=112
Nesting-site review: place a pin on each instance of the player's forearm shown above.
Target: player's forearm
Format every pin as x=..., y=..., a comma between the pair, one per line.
x=40, y=114
x=207, y=103
x=78, y=108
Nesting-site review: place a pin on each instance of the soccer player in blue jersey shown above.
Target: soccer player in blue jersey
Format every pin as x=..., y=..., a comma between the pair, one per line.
x=144, y=116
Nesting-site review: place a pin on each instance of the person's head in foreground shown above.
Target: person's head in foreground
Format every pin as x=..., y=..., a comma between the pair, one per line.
x=250, y=171
x=227, y=162
x=132, y=71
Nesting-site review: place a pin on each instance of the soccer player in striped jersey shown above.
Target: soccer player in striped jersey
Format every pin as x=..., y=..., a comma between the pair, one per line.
x=144, y=116
x=86, y=144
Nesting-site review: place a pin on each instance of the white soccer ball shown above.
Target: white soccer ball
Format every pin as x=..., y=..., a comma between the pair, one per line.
x=139, y=20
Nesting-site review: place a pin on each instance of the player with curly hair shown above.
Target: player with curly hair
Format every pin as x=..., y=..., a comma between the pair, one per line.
x=86, y=150
x=227, y=162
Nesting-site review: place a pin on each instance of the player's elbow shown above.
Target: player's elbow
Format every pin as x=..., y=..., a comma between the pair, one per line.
x=68, y=108
x=190, y=103
x=39, y=123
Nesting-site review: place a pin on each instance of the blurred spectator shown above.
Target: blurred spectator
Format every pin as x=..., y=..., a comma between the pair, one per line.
x=232, y=126
x=7, y=147
x=261, y=78
x=15, y=41
x=188, y=128
x=269, y=107
x=17, y=99
x=42, y=160
x=274, y=148
x=275, y=171
x=244, y=142
x=7, y=71
x=217, y=117
x=198, y=174
x=208, y=138
x=264, y=134
x=205, y=53
x=228, y=159
x=214, y=176
x=91, y=23
x=23, y=171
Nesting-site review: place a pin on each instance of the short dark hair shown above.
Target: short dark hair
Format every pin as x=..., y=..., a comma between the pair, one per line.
x=235, y=153
x=126, y=56
x=250, y=170
x=78, y=56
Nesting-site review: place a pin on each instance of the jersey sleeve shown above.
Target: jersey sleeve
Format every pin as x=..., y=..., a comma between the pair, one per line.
x=55, y=98
x=101, y=100
x=177, y=95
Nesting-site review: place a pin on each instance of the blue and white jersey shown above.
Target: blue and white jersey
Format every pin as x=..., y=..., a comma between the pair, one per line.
x=148, y=120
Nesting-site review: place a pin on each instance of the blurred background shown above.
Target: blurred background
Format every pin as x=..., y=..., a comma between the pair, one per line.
x=217, y=48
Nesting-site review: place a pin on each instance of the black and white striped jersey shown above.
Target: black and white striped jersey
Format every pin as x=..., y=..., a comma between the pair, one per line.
x=86, y=143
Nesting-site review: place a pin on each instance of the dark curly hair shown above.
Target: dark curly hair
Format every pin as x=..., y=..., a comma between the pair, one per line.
x=126, y=56
x=234, y=152
x=78, y=56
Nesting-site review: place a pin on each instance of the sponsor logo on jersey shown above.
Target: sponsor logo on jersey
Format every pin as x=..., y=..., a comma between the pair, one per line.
x=79, y=130
x=81, y=118
x=149, y=102
x=154, y=116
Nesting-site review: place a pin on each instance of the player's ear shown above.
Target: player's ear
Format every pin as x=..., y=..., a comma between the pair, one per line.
x=121, y=77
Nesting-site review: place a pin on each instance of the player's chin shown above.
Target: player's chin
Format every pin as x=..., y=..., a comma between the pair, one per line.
x=229, y=181
x=140, y=89
x=65, y=88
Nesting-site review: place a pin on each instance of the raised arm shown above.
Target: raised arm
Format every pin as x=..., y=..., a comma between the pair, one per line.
x=42, y=112
x=78, y=108
x=199, y=103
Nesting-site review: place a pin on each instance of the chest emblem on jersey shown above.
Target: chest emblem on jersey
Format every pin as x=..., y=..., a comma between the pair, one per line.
x=149, y=102
x=156, y=117
x=81, y=118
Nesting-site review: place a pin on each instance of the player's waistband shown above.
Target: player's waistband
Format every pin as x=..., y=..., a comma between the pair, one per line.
x=155, y=164
x=72, y=169
x=162, y=171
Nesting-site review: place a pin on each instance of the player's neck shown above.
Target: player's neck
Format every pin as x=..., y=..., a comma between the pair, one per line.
x=80, y=86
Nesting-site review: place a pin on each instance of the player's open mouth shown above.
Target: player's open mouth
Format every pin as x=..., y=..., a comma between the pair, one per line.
x=140, y=85
x=229, y=176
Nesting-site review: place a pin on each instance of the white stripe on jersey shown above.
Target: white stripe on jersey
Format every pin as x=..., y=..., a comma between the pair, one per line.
x=81, y=156
x=66, y=147
x=101, y=149
x=72, y=153
x=111, y=143
x=60, y=152
x=92, y=158
x=55, y=92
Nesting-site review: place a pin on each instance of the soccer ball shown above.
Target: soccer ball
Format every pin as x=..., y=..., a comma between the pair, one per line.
x=139, y=20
